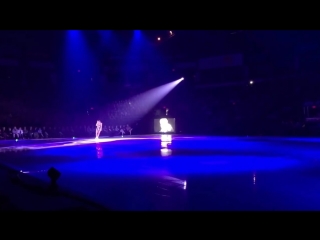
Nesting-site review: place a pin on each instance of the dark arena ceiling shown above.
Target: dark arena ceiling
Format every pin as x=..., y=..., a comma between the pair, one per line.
x=184, y=43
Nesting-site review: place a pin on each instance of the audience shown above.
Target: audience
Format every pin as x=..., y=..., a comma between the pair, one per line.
x=60, y=132
x=244, y=110
x=14, y=117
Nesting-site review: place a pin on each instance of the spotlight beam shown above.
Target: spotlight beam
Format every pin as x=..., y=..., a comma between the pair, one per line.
x=144, y=102
x=141, y=104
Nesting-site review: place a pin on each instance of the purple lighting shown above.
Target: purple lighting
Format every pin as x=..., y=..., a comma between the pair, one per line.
x=141, y=104
x=147, y=100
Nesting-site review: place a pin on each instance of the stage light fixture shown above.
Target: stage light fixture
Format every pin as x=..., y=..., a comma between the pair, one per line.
x=159, y=38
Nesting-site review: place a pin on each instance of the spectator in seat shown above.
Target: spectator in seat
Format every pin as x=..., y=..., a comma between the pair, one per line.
x=35, y=133
x=4, y=133
x=25, y=133
x=9, y=132
x=113, y=131
x=129, y=129
x=45, y=132
x=105, y=130
x=31, y=132
x=15, y=133
x=1, y=135
x=40, y=133
x=20, y=133
x=109, y=131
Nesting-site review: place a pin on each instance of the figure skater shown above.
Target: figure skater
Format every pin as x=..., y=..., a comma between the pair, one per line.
x=98, y=129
